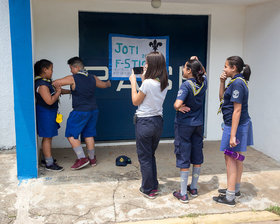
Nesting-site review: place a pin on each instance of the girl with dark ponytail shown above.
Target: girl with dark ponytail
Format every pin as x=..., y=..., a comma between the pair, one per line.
x=188, y=124
x=237, y=131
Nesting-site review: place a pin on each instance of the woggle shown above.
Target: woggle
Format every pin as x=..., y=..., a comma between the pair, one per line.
x=59, y=118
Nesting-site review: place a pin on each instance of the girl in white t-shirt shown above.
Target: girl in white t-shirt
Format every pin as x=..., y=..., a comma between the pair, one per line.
x=149, y=121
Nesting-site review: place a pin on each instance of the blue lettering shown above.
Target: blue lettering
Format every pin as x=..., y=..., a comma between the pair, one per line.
x=117, y=62
x=127, y=63
x=119, y=48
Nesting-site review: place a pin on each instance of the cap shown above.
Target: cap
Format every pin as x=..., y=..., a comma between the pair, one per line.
x=123, y=160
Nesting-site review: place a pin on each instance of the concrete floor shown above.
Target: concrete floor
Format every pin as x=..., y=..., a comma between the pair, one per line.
x=109, y=194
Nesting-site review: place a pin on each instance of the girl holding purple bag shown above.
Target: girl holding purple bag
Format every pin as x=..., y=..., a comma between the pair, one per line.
x=238, y=125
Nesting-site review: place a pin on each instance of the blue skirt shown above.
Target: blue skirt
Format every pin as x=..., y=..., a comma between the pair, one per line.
x=46, y=122
x=244, y=134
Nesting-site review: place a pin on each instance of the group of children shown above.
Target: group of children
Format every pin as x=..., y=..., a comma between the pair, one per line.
x=188, y=124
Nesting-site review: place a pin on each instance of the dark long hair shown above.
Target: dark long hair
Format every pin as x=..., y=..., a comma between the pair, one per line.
x=240, y=66
x=197, y=69
x=157, y=68
x=40, y=65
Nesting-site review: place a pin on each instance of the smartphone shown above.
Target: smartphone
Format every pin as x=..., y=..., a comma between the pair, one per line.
x=138, y=70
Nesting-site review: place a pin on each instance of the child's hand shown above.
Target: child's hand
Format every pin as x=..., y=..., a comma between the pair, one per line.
x=108, y=83
x=184, y=109
x=232, y=142
x=223, y=77
x=132, y=77
x=194, y=58
x=58, y=89
x=55, y=83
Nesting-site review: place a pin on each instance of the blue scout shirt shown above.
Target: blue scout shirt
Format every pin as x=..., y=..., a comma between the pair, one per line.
x=39, y=81
x=237, y=92
x=83, y=97
x=193, y=95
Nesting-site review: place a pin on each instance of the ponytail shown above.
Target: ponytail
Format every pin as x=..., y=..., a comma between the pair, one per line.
x=246, y=72
x=240, y=66
x=197, y=70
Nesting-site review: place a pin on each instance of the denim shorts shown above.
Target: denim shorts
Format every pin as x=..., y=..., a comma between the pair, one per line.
x=81, y=123
x=188, y=145
x=46, y=122
x=244, y=134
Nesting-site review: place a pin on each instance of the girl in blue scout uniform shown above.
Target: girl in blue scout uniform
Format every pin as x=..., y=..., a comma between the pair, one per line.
x=237, y=123
x=149, y=121
x=188, y=125
x=46, y=109
x=82, y=120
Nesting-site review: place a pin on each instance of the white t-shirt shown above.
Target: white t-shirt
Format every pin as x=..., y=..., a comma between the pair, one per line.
x=152, y=103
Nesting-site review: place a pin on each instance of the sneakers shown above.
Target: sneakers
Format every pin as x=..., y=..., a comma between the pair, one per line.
x=92, y=162
x=151, y=195
x=192, y=192
x=43, y=162
x=223, y=191
x=184, y=199
x=80, y=163
x=223, y=200
x=54, y=167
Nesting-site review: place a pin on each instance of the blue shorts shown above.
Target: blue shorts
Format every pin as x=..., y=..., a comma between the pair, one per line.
x=46, y=122
x=188, y=145
x=244, y=134
x=81, y=123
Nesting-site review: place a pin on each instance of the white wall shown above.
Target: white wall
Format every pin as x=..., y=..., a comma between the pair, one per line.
x=56, y=38
x=7, y=121
x=262, y=53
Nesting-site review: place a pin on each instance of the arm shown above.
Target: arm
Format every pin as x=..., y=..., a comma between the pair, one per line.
x=235, y=121
x=222, y=85
x=67, y=80
x=137, y=98
x=179, y=106
x=101, y=84
x=46, y=95
x=65, y=91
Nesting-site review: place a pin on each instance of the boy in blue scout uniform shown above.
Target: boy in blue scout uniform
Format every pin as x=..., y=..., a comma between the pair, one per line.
x=189, y=123
x=46, y=110
x=238, y=125
x=82, y=120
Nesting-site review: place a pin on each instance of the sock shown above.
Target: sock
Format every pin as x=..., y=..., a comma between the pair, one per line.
x=184, y=181
x=237, y=187
x=79, y=152
x=195, y=176
x=91, y=153
x=230, y=195
x=49, y=161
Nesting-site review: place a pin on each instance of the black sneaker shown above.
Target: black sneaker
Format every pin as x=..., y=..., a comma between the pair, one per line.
x=192, y=192
x=43, y=162
x=223, y=200
x=54, y=167
x=223, y=191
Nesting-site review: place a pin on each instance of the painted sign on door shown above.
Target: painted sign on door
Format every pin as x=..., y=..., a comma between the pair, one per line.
x=126, y=52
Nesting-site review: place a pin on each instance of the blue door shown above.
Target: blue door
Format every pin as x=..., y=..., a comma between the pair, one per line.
x=187, y=36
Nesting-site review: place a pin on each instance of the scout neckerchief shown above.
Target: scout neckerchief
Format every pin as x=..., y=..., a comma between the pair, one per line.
x=194, y=87
x=39, y=77
x=231, y=81
x=83, y=72
x=58, y=115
